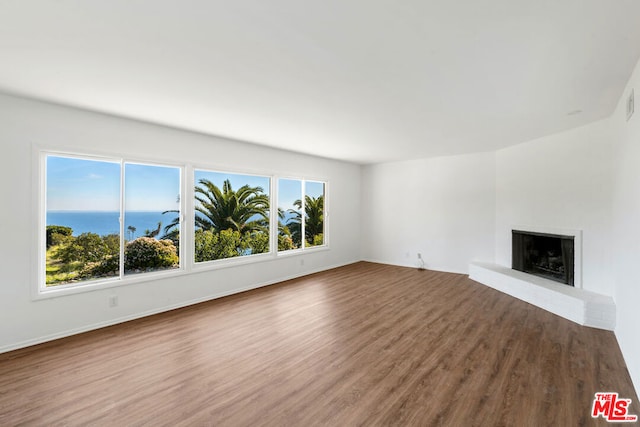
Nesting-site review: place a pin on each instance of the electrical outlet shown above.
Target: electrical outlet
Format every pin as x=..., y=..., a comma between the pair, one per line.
x=113, y=301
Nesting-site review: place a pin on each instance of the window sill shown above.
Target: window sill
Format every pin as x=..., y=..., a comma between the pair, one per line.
x=217, y=264
x=101, y=284
x=297, y=252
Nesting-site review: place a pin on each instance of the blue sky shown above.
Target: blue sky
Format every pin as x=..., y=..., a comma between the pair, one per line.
x=151, y=188
x=89, y=185
x=75, y=184
x=314, y=189
x=82, y=185
x=236, y=180
x=289, y=190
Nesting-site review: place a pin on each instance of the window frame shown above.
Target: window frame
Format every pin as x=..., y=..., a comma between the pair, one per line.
x=123, y=195
x=37, y=276
x=42, y=290
x=231, y=261
x=325, y=217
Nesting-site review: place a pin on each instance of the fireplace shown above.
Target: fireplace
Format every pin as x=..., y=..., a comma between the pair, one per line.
x=551, y=256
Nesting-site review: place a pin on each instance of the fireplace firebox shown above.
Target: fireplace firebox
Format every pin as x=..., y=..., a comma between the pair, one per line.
x=546, y=255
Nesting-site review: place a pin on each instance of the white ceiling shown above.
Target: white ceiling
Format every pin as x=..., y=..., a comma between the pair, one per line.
x=359, y=80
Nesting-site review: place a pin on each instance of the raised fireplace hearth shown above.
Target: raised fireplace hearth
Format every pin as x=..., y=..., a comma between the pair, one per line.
x=551, y=256
x=550, y=293
x=573, y=303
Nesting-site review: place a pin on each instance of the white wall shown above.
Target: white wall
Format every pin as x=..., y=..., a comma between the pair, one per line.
x=443, y=208
x=626, y=229
x=563, y=181
x=25, y=122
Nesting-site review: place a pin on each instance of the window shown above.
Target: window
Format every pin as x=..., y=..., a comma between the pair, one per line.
x=151, y=218
x=231, y=215
x=289, y=214
x=109, y=221
x=85, y=200
x=314, y=213
x=300, y=219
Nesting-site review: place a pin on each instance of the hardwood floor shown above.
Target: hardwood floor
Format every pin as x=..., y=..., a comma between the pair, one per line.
x=366, y=344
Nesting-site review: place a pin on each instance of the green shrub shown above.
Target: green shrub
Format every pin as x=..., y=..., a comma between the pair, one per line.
x=285, y=243
x=255, y=243
x=87, y=247
x=318, y=240
x=57, y=234
x=112, y=244
x=147, y=253
x=210, y=245
x=108, y=267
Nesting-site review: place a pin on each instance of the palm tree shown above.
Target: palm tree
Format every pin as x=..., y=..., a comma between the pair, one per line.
x=172, y=230
x=153, y=233
x=313, y=221
x=285, y=239
x=282, y=228
x=243, y=210
x=132, y=232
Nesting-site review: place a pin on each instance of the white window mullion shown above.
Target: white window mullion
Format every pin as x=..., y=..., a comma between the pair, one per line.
x=187, y=219
x=42, y=222
x=303, y=218
x=122, y=207
x=325, y=215
x=273, y=216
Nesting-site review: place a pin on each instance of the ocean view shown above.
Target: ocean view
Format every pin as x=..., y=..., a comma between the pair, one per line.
x=104, y=223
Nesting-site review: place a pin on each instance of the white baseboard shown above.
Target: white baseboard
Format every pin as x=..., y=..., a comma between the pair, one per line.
x=415, y=265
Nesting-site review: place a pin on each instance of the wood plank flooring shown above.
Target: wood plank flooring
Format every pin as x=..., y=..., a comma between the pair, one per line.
x=362, y=345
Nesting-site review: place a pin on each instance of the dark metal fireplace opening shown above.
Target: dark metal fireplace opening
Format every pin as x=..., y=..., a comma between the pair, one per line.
x=546, y=255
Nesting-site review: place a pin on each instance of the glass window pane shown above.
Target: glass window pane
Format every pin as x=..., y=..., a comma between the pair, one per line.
x=314, y=213
x=151, y=218
x=82, y=219
x=289, y=214
x=231, y=215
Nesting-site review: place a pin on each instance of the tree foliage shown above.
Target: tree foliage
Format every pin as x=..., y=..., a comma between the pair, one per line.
x=87, y=247
x=57, y=234
x=90, y=256
x=230, y=223
x=87, y=256
x=172, y=230
x=244, y=210
x=211, y=245
x=313, y=221
x=256, y=242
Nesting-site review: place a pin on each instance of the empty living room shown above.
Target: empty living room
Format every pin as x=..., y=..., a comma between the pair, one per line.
x=295, y=213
